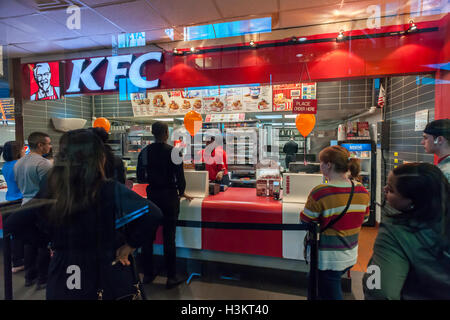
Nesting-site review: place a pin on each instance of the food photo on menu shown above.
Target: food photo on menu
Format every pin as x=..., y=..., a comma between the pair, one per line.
x=256, y=98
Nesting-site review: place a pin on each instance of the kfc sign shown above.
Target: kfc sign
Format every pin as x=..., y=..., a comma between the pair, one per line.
x=304, y=106
x=44, y=81
x=83, y=72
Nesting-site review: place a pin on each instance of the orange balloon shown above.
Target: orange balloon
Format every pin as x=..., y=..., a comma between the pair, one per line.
x=102, y=123
x=193, y=122
x=305, y=123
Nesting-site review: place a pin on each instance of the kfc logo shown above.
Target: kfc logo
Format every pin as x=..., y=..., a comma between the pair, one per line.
x=44, y=81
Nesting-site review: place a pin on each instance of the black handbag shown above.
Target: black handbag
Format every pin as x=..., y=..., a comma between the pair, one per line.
x=114, y=280
x=308, y=237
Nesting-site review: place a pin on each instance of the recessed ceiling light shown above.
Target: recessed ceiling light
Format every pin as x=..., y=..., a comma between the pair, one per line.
x=299, y=55
x=302, y=39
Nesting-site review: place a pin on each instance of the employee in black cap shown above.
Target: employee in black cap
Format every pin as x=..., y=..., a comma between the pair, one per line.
x=166, y=185
x=436, y=140
x=290, y=148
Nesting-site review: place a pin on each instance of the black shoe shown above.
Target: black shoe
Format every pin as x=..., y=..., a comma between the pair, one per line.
x=173, y=282
x=148, y=279
x=29, y=282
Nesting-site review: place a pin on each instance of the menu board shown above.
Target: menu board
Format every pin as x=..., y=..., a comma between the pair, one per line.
x=309, y=90
x=257, y=98
x=225, y=117
x=211, y=100
x=7, y=110
x=284, y=94
x=141, y=105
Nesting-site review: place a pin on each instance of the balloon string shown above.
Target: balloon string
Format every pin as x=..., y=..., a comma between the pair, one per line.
x=304, y=152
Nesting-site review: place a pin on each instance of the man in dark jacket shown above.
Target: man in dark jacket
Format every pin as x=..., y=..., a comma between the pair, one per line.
x=290, y=148
x=166, y=185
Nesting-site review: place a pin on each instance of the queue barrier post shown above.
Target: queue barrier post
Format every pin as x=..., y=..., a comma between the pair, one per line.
x=7, y=259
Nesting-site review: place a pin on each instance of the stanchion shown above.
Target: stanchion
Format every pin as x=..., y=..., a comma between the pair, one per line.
x=7, y=265
x=313, y=281
x=7, y=260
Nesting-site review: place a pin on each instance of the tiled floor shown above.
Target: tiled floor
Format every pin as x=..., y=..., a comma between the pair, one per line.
x=200, y=289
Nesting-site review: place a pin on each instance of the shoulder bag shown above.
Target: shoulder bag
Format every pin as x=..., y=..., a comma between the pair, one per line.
x=114, y=280
x=308, y=237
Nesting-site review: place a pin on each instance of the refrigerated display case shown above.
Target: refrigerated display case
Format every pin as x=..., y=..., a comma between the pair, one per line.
x=365, y=151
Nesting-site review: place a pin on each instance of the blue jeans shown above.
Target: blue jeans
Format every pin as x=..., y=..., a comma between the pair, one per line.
x=330, y=284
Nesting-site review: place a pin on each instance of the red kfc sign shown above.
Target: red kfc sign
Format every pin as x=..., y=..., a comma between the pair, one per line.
x=304, y=106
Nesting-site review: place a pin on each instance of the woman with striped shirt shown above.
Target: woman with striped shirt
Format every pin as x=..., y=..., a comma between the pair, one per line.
x=338, y=246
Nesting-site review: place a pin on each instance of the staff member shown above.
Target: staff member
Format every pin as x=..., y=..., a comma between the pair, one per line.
x=290, y=148
x=166, y=184
x=436, y=140
x=218, y=172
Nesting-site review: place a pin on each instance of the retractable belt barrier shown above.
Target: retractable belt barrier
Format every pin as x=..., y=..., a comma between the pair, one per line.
x=313, y=228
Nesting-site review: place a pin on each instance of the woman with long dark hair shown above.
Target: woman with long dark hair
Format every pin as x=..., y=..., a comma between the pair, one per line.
x=80, y=213
x=411, y=255
x=338, y=245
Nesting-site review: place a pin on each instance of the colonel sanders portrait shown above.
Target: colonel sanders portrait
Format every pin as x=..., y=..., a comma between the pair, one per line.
x=42, y=75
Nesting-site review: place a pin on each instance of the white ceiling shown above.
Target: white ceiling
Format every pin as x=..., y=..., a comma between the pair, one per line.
x=38, y=27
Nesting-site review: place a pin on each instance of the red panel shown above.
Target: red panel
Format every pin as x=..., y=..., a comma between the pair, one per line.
x=242, y=205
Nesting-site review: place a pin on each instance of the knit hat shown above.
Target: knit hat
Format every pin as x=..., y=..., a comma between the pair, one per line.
x=438, y=128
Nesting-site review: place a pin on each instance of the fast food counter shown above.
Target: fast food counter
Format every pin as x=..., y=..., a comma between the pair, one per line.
x=242, y=205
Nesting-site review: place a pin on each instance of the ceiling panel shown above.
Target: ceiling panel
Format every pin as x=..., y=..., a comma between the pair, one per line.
x=91, y=23
x=239, y=8
x=79, y=43
x=10, y=34
x=10, y=8
x=133, y=17
x=186, y=12
x=40, y=46
x=13, y=52
x=41, y=26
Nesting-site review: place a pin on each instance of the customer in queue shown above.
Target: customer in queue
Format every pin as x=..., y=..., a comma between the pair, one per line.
x=13, y=151
x=436, y=140
x=338, y=245
x=31, y=172
x=89, y=220
x=166, y=185
x=411, y=254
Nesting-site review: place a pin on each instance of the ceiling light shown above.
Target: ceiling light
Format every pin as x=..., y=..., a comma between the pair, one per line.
x=290, y=116
x=302, y=39
x=252, y=43
x=163, y=119
x=193, y=50
x=412, y=27
x=340, y=36
x=289, y=124
x=275, y=116
x=299, y=55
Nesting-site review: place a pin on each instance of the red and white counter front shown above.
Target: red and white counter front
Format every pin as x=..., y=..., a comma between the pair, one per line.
x=242, y=205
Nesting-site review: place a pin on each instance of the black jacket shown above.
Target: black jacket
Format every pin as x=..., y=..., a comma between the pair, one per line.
x=290, y=148
x=91, y=238
x=155, y=167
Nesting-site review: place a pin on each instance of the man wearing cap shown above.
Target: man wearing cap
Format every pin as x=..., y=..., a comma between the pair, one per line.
x=436, y=140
